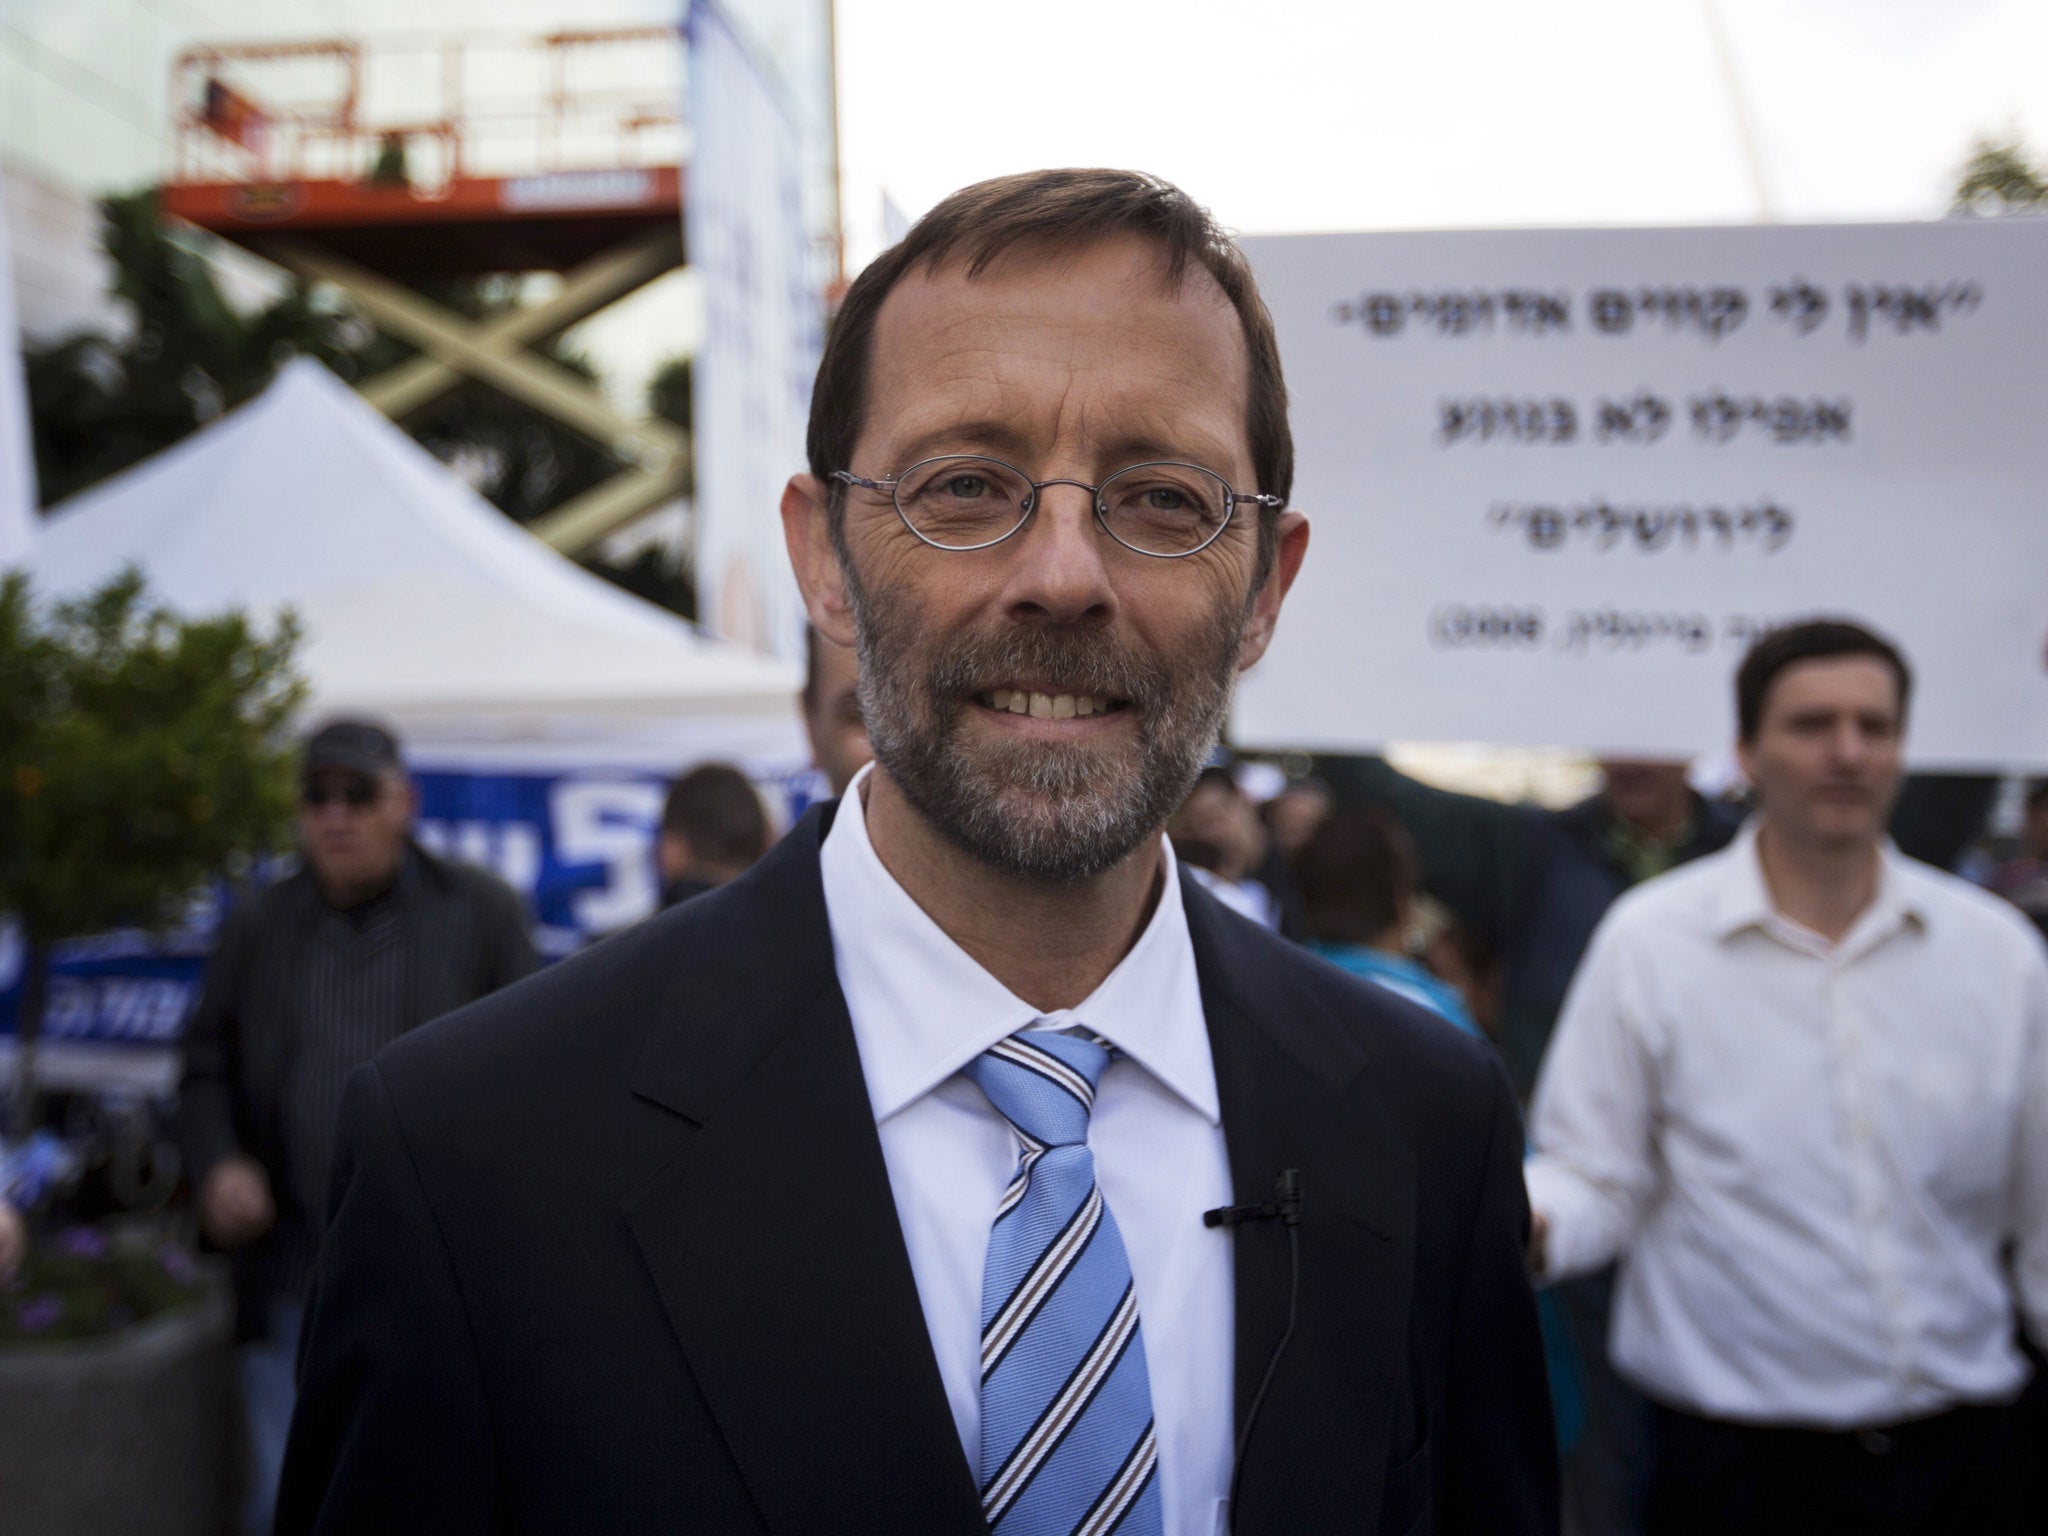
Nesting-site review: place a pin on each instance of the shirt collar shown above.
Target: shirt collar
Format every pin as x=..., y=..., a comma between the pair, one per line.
x=922, y=1007
x=1743, y=900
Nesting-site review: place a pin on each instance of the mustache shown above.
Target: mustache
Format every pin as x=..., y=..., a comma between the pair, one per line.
x=1065, y=660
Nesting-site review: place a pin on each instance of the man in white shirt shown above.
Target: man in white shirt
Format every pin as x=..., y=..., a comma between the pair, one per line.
x=962, y=1167
x=1802, y=1086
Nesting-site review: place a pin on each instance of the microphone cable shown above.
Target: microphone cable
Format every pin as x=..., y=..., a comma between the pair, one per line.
x=1285, y=1207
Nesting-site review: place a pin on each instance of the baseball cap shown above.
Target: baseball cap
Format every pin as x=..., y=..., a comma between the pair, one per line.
x=360, y=746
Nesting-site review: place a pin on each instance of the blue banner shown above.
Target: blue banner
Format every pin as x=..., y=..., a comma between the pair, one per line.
x=578, y=846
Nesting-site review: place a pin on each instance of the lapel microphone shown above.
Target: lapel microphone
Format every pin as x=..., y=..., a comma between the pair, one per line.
x=1284, y=1207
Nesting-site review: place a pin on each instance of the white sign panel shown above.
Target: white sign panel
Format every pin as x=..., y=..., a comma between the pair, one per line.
x=17, y=464
x=746, y=235
x=1558, y=480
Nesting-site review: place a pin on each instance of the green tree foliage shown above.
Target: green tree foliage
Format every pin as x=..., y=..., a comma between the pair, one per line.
x=141, y=754
x=99, y=404
x=668, y=392
x=2000, y=177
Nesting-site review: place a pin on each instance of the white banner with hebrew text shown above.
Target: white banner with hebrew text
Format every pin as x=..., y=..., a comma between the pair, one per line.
x=1558, y=480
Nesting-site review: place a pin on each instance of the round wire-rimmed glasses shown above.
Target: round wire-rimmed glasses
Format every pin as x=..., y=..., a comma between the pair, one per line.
x=969, y=501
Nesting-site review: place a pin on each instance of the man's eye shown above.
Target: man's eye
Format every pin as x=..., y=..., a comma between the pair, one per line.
x=1166, y=498
x=964, y=487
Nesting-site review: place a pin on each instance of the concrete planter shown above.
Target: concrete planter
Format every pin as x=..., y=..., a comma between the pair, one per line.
x=123, y=1436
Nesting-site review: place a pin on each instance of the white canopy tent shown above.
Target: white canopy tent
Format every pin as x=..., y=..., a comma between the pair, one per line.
x=421, y=603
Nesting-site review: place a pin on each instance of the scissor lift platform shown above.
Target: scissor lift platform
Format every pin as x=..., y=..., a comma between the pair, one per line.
x=383, y=168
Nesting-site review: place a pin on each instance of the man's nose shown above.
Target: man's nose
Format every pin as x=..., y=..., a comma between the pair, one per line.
x=1850, y=744
x=1059, y=572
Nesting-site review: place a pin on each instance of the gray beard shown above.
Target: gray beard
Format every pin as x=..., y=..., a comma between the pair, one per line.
x=1050, y=812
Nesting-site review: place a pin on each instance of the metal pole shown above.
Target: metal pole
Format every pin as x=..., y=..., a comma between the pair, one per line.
x=832, y=83
x=1738, y=107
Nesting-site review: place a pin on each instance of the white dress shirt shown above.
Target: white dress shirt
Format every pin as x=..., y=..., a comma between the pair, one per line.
x=922, y=1009
x=1812, y=1155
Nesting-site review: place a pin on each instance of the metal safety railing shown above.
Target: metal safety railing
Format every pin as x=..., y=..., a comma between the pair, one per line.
x=428, y=111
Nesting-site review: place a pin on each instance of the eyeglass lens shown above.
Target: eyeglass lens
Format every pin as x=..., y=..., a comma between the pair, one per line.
x=1160, y=509
x=354, y=793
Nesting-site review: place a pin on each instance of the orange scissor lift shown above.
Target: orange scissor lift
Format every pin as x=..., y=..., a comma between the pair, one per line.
x=381, y=167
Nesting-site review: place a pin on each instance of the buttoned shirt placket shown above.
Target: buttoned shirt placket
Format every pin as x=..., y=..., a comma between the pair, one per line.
x=1874, y=1197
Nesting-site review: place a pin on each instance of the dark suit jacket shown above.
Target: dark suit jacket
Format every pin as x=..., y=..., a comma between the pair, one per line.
x=240, y=1042
x=615, y=1251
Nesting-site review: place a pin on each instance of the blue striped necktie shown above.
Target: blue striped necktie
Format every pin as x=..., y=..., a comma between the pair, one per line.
x=1067, y=1443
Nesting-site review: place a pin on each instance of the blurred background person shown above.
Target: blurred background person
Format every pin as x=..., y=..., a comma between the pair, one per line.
x=1357, y=881
x=2023, y=878
x=1292, y=815
x=1531, y=884
x=832, y=715
x=312, y=976
x=1803, y=1086
x=1460, y=958
x=713, y=827
x=13, y=1241
x=1218, y=834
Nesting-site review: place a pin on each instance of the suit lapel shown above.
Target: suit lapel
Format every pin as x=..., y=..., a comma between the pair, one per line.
x=772, y=1234
x=1297, y=1092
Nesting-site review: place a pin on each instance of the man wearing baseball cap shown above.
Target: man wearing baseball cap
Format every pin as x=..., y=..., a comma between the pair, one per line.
x=312, y=976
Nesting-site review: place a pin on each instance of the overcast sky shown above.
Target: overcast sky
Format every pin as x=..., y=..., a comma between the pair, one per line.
x=1359, y=114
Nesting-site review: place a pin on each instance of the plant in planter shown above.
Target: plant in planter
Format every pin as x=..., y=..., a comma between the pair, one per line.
x=115, y=1387
x=83, y=1282
x=142, y=754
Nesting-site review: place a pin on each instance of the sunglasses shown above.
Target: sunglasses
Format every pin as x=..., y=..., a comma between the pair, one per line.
x=356, y=794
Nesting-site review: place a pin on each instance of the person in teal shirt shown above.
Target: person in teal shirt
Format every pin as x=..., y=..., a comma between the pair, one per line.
x=1357, y=878
x=1399, y=973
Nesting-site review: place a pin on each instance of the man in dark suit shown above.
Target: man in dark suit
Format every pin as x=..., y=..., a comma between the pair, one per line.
x=313, y=975
x=868, y=1192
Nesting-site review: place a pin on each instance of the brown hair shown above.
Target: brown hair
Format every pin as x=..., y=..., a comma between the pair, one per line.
x=1814, y=640
x=1356, y=876
x=715, y=810
x=1053, y=211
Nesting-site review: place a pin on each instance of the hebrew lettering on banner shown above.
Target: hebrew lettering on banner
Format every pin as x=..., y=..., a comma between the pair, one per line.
x=1560, y=479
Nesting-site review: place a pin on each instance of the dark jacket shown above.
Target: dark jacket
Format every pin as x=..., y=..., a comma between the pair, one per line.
x=1534, y=883
x=470, y=933
x=615, y=1250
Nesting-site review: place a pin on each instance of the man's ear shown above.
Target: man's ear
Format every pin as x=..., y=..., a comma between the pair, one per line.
x=672, y=855
x=1265, y=609
x=807, y=530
